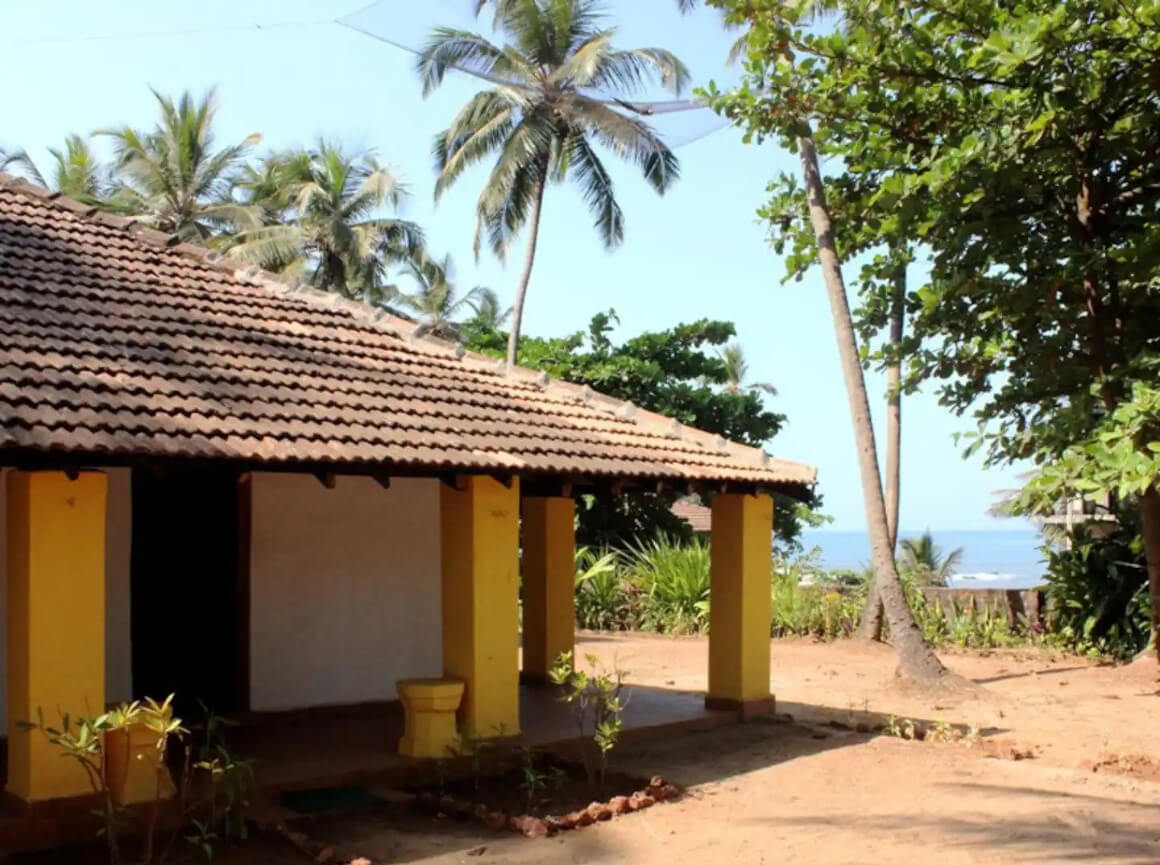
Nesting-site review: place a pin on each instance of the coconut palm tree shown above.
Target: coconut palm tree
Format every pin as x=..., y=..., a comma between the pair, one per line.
x=17, y=158
x=916, y=659
x=925, y=561
x=489, y=312
x=435, y=301
x=737, y=372
x=543, y=118
x=324, y=206
x=173, y=178
x=76, y=172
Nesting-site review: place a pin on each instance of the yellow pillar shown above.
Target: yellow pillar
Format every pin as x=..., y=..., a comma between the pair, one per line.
x=549, y=583
x=739, y=611
x=56, y=623
x=480, y=534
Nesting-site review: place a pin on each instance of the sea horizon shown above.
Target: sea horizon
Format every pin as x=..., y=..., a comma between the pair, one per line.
x=992, y=558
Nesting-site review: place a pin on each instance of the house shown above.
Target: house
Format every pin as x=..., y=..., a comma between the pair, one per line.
x=225, y=485
x=698, y=517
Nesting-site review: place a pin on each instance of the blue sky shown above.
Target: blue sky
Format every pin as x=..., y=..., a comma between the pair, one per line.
x=73, y=65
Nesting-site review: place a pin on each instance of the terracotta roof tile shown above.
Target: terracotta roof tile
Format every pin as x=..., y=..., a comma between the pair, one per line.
x=117, y=340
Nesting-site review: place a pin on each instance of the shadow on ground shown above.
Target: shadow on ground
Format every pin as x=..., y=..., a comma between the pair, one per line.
x=1067, y=832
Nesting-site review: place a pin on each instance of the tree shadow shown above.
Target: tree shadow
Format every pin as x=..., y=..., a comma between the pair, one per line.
x=1054, y=835
x=1030, y=673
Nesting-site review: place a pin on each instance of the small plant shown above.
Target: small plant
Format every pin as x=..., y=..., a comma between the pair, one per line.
x=535, y=781
x=230, y=780
x=480, y=750
x=217, y=815
x=597, y=706
x=942, y=731
x=83, y=741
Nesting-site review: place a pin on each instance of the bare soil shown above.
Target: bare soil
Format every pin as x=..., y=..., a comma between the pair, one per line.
x=1053, y=761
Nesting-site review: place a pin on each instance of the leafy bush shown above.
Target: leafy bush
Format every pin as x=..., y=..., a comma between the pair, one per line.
x=1099, y=592
x=603, y=602
x=663, y=586
x=673, y=581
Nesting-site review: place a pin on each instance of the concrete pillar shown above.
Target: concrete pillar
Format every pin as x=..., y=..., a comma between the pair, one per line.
x=480, y=537
x=549, y=583
x=739, y=612
x=56, y=623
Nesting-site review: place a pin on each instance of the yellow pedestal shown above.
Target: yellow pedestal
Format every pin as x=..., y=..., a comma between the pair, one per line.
x=429, y=707
x=135, y=768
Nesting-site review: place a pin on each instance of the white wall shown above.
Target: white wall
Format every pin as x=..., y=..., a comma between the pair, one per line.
x=118, y=664
x=345, y=589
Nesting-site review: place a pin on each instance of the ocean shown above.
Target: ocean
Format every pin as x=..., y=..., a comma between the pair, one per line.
x=995, y=560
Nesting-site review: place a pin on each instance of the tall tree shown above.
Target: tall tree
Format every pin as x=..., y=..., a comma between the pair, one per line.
x=173, y=178
x=435, y=300
x=925, y=561
x=543, y=120
x=854, y=204
x=324, y=205
x=677, y=372
x=1027, y=138
x=77, y=172
x=767, y=104
x=489, y=311
x=737, y=372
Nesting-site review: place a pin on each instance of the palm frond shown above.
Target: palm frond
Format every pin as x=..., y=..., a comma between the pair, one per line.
x=629, y=138
x=629, y=72
x=449, y=48
x=596, y=184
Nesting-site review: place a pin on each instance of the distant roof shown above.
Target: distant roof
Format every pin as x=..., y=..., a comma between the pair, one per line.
x=118, y=341
x=696, y=515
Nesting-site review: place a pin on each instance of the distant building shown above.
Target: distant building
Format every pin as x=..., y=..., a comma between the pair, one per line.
x=697, y=515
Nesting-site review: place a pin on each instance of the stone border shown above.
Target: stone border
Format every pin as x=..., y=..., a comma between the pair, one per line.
x=658, y=790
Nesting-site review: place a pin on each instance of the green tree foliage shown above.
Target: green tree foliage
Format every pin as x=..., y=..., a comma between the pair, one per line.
x=435, y=300
x=1099, y=590
x=76, y=171
x=543, y=120
x=322, y=208
x=737, y=372
x=924, y=562
x=1019, y=144
x=172, y=177
x=676, y=372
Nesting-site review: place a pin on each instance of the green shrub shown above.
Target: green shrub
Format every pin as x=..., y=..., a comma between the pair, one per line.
x=1099, y=592
x=673, y=581
x=603, y=602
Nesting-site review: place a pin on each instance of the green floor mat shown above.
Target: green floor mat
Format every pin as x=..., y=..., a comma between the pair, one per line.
x=329, y=799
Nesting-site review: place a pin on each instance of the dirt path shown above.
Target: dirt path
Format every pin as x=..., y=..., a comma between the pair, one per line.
x=802, y=792
x=1072, y=710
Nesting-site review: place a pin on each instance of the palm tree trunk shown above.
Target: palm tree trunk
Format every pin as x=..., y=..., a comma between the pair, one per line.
x=874, y=614
x=915, y=659
x=513, y=345
x=1150, y=531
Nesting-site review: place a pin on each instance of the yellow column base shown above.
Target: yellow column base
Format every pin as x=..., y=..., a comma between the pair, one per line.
x=429, y=707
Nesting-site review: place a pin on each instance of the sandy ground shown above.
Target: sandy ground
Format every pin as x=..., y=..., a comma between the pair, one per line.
x=807, y=791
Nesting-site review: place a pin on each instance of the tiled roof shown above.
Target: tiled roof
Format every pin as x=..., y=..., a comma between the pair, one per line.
x=117, y=341
x=699, y=517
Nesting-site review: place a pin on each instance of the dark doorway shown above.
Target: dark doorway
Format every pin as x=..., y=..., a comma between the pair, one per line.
x=189, y=591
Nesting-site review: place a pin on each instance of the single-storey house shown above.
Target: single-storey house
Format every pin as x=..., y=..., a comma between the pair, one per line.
x=223, y=484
